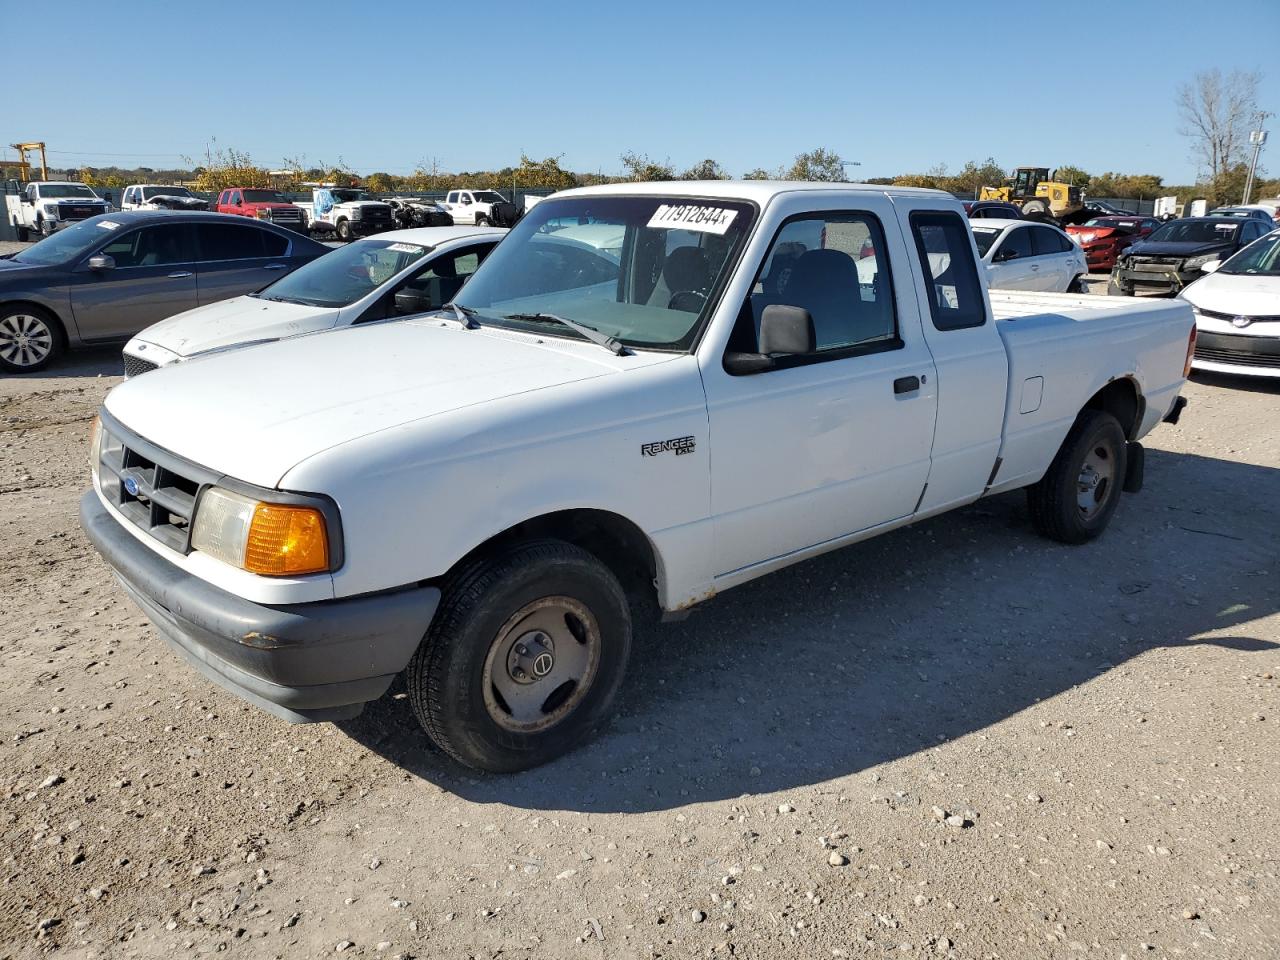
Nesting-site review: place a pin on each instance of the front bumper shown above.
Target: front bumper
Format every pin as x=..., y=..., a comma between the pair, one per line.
x=1242, y=353
x=302, y=662
x=1153, y=278
x=366, y=228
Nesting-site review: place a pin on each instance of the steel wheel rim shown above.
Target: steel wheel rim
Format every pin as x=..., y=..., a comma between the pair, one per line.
x=25, y=340
x=1096, y=480
x=541, y=664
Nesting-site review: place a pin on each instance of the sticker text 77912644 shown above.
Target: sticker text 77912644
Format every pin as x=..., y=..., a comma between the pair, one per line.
x=692, y=216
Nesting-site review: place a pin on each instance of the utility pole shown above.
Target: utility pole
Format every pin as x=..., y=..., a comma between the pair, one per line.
x=1257, y=138
x=849, y=163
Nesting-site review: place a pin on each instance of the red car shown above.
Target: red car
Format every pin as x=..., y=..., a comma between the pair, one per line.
x=1104, y=238
x=262, y=204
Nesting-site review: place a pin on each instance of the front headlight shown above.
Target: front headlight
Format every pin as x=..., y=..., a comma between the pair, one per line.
x=1195, y=263
x=51, y=210
x=263, y=213
x=271, y=539
x=95, y=438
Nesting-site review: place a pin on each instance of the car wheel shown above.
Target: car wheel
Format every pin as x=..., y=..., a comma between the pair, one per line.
x=1035, y=208
x=481, y=220
x=29, y=339
x=1075, y=499
x=344, y=230
x=24, y=234
x=1078, y=285
x=524, y=657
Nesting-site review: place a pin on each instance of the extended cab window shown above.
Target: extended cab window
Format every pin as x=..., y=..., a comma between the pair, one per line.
x=833, y=265
x=951, y=276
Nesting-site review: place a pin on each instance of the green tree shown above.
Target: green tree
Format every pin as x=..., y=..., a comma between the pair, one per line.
x=819, y=164
x=759, y=173
x=639, y=167
x=1074, y=176
x=705, y=170
x=543, y=174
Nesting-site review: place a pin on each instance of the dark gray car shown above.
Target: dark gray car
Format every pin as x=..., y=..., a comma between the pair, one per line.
x=106, y=278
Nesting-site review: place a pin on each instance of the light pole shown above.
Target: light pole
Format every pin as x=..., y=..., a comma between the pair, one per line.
x=1257, y=138
x=849, y=163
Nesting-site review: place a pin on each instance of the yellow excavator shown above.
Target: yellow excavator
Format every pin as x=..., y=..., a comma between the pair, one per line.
x=1039, y=195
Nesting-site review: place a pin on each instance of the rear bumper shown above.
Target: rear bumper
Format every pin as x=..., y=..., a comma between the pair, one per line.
x=302, y=662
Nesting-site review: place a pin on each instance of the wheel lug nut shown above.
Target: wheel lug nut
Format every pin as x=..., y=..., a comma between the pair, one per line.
x=522, y=649
x=518, y=673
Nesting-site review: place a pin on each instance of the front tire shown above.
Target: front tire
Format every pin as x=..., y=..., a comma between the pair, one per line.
x=481, y=220
x=1074, y=501
x=524, y=657
x=344, y=230
x=29, y=339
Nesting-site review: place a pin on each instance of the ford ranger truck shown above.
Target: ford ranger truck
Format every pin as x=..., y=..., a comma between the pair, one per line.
x=756, y=374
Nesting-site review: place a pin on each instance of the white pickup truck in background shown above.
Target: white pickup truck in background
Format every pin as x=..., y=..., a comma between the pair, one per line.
x=157, y=196
x=759, y=373
x=43, y=206
x=347, y=211
x=472, y=206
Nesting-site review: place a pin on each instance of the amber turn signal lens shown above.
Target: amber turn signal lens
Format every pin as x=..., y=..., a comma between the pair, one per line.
x=286, y=541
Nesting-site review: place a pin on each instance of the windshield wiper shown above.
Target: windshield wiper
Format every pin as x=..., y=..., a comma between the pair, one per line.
x=591, y=333
x=300, y=302
x=465, y=315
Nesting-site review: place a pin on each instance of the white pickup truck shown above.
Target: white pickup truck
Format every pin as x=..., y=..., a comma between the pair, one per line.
x=472, y=206
x=473, y=498
x=347, y=211
x=46, y=205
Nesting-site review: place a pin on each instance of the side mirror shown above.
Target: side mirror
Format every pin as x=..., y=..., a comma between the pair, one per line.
x=1211, y=266
x=100, y=262
x=409, y=300
x=785, y=329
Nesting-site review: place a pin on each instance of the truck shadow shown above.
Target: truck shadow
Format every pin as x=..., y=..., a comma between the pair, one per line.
x=898, y=644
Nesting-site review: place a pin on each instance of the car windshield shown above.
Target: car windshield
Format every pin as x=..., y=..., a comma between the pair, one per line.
x=488, y=196
x=69, y=242
x=149, y=192
x=264, y=196
x=643, y=270
x=1259, y=259
x=342, y=277
x=51, y=191
x=984, y=237
x=1194, y=231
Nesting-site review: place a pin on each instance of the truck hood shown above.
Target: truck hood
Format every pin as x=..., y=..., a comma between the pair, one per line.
x=253, y=414
x=235, y=321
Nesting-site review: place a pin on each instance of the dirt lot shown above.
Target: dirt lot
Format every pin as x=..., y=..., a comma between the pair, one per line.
x=1103, y=721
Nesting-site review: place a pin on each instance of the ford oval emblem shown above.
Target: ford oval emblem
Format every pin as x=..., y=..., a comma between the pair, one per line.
x=131, y=484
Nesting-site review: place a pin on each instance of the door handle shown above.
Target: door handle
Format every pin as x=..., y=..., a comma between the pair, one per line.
x=180, y=274
x=276, y=266
x=906, y=385
x=1035, y=267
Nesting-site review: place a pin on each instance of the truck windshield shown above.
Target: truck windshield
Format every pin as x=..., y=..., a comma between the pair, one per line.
x=68, y=243
x=341, y=278
x=149, y=192
x=1195, y=231
x=51, y=191
x=643, y=270
x=1260, y=259
x=347, y=196
x=264, y=196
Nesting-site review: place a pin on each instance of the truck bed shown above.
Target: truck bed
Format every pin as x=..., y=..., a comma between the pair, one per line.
x=1053, y=342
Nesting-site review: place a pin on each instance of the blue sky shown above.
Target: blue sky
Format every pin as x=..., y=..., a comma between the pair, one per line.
x=898, y=86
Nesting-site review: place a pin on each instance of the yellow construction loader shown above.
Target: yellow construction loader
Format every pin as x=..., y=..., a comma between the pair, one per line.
x=1038, y=195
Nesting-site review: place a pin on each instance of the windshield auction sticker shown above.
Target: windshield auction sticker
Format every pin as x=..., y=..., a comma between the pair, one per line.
x=108, y=225
x=405, y=248
x=688, y=216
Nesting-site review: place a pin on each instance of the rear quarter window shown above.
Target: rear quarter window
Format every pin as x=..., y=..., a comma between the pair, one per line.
x=945, y=250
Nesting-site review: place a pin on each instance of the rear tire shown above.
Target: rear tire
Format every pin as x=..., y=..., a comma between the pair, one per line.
x=1074, y=501
x=1078, y=285
x=481, y=683
x=24, y=233
x=30, y=339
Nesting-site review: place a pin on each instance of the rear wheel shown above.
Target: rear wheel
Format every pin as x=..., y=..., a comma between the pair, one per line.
x=24, y=233
x=29, y=339
x=1074, y=501
x=524, y=656
x=1078, y=285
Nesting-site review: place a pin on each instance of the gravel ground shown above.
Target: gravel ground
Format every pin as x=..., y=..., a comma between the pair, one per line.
x=956, y=740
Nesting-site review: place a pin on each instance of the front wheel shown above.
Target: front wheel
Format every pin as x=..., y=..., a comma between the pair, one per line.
x=1075, y=499
x=524, y=657
x=344, y=230
x=29, y=339
x=481, y=220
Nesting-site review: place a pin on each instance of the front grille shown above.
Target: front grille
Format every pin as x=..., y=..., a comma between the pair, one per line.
x=282, y=215
x=79, y=212
x=133, y=366
x=1252, y=318
x=1164, y=263
x=154, y=490
x=1246, y=351
x=377, y=214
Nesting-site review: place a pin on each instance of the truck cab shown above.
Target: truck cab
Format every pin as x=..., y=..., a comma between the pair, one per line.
x=45, y=206
x=472, y=206
x=261, y=204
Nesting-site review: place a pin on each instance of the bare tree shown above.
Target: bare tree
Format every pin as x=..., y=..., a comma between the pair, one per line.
x=1216, y=111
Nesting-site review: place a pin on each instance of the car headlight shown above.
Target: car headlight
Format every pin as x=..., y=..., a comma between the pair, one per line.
x=357, y=213
x=51, y=210
x=263, y=213
x=271, y=539
x=1195, y=263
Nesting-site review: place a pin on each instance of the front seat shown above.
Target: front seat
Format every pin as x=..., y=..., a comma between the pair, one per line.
x=687, y=274
x=825, y=282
